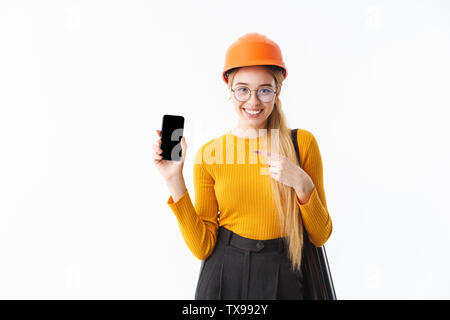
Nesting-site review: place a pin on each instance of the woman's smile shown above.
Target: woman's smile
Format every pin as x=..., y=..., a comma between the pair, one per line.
x=253, y=113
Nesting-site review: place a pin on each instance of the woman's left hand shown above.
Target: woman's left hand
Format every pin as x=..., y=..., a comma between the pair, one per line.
x=285, y=171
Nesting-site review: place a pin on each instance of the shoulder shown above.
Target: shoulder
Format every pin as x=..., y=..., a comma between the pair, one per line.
x=308, y=147
x=305, y=138
x=304, y=133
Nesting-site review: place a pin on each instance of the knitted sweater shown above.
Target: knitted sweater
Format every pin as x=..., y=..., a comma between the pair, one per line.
x=232, y=190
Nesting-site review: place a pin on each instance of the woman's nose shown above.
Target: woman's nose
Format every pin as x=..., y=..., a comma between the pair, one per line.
x=254, y=100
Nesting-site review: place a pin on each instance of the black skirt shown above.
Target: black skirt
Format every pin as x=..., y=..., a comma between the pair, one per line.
x=244, y=269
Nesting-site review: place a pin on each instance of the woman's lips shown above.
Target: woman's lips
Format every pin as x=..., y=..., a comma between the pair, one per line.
x=253, y=115
x=252, y=109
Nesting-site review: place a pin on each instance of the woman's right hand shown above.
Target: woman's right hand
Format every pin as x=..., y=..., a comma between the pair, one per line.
x=168, y=168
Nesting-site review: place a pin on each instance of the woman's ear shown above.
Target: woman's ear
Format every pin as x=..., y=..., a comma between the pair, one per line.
x=279, y=91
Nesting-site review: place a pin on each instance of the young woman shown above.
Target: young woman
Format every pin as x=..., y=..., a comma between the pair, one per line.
x=251, y=202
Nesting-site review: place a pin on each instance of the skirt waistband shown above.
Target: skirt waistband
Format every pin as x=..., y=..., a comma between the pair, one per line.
x=226, y=236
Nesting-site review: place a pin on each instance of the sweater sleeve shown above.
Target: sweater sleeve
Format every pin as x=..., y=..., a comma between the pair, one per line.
x=315, y=216
x=198, y=224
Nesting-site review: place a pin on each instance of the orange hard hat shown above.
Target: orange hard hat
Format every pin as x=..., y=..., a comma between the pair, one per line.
x=253, y=49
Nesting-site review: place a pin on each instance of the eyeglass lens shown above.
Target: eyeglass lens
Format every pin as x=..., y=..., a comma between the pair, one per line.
x=264, y=94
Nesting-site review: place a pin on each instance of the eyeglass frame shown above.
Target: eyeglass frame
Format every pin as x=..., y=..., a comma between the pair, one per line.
x=251, y=91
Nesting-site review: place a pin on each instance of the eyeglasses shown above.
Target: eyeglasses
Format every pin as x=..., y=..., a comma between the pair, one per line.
x=264, y=94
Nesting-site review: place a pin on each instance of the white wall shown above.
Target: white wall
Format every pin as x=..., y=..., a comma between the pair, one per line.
x=84, y=85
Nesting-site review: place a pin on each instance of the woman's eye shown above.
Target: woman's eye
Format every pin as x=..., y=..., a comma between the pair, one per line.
x=242, y=89
x=265, y=90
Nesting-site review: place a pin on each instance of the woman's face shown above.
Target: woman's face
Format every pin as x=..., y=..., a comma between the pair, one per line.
x=253, y=77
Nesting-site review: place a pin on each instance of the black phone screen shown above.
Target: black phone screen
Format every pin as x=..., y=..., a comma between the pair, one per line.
x=171, y=134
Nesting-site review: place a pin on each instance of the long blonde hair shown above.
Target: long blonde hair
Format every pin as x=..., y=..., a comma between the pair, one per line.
x=288, y=211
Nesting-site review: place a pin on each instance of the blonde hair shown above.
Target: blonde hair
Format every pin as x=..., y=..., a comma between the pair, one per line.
x=284, y=196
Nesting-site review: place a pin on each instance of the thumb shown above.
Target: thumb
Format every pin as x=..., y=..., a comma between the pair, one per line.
x=183, y=148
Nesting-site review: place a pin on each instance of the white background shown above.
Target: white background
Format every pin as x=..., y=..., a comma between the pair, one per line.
x=84, y=86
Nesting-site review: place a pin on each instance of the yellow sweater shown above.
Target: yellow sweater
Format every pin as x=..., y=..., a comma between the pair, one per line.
x=231, y=190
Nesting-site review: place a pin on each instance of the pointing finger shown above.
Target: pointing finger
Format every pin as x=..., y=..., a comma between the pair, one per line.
x=263, y=153
x=269, y=155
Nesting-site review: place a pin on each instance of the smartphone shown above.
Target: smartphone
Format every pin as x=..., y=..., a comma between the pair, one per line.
x=171, y=134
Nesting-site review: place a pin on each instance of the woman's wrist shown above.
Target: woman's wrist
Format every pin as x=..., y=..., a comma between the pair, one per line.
x=175, y=177
x=177, y=186
x=304, y=188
